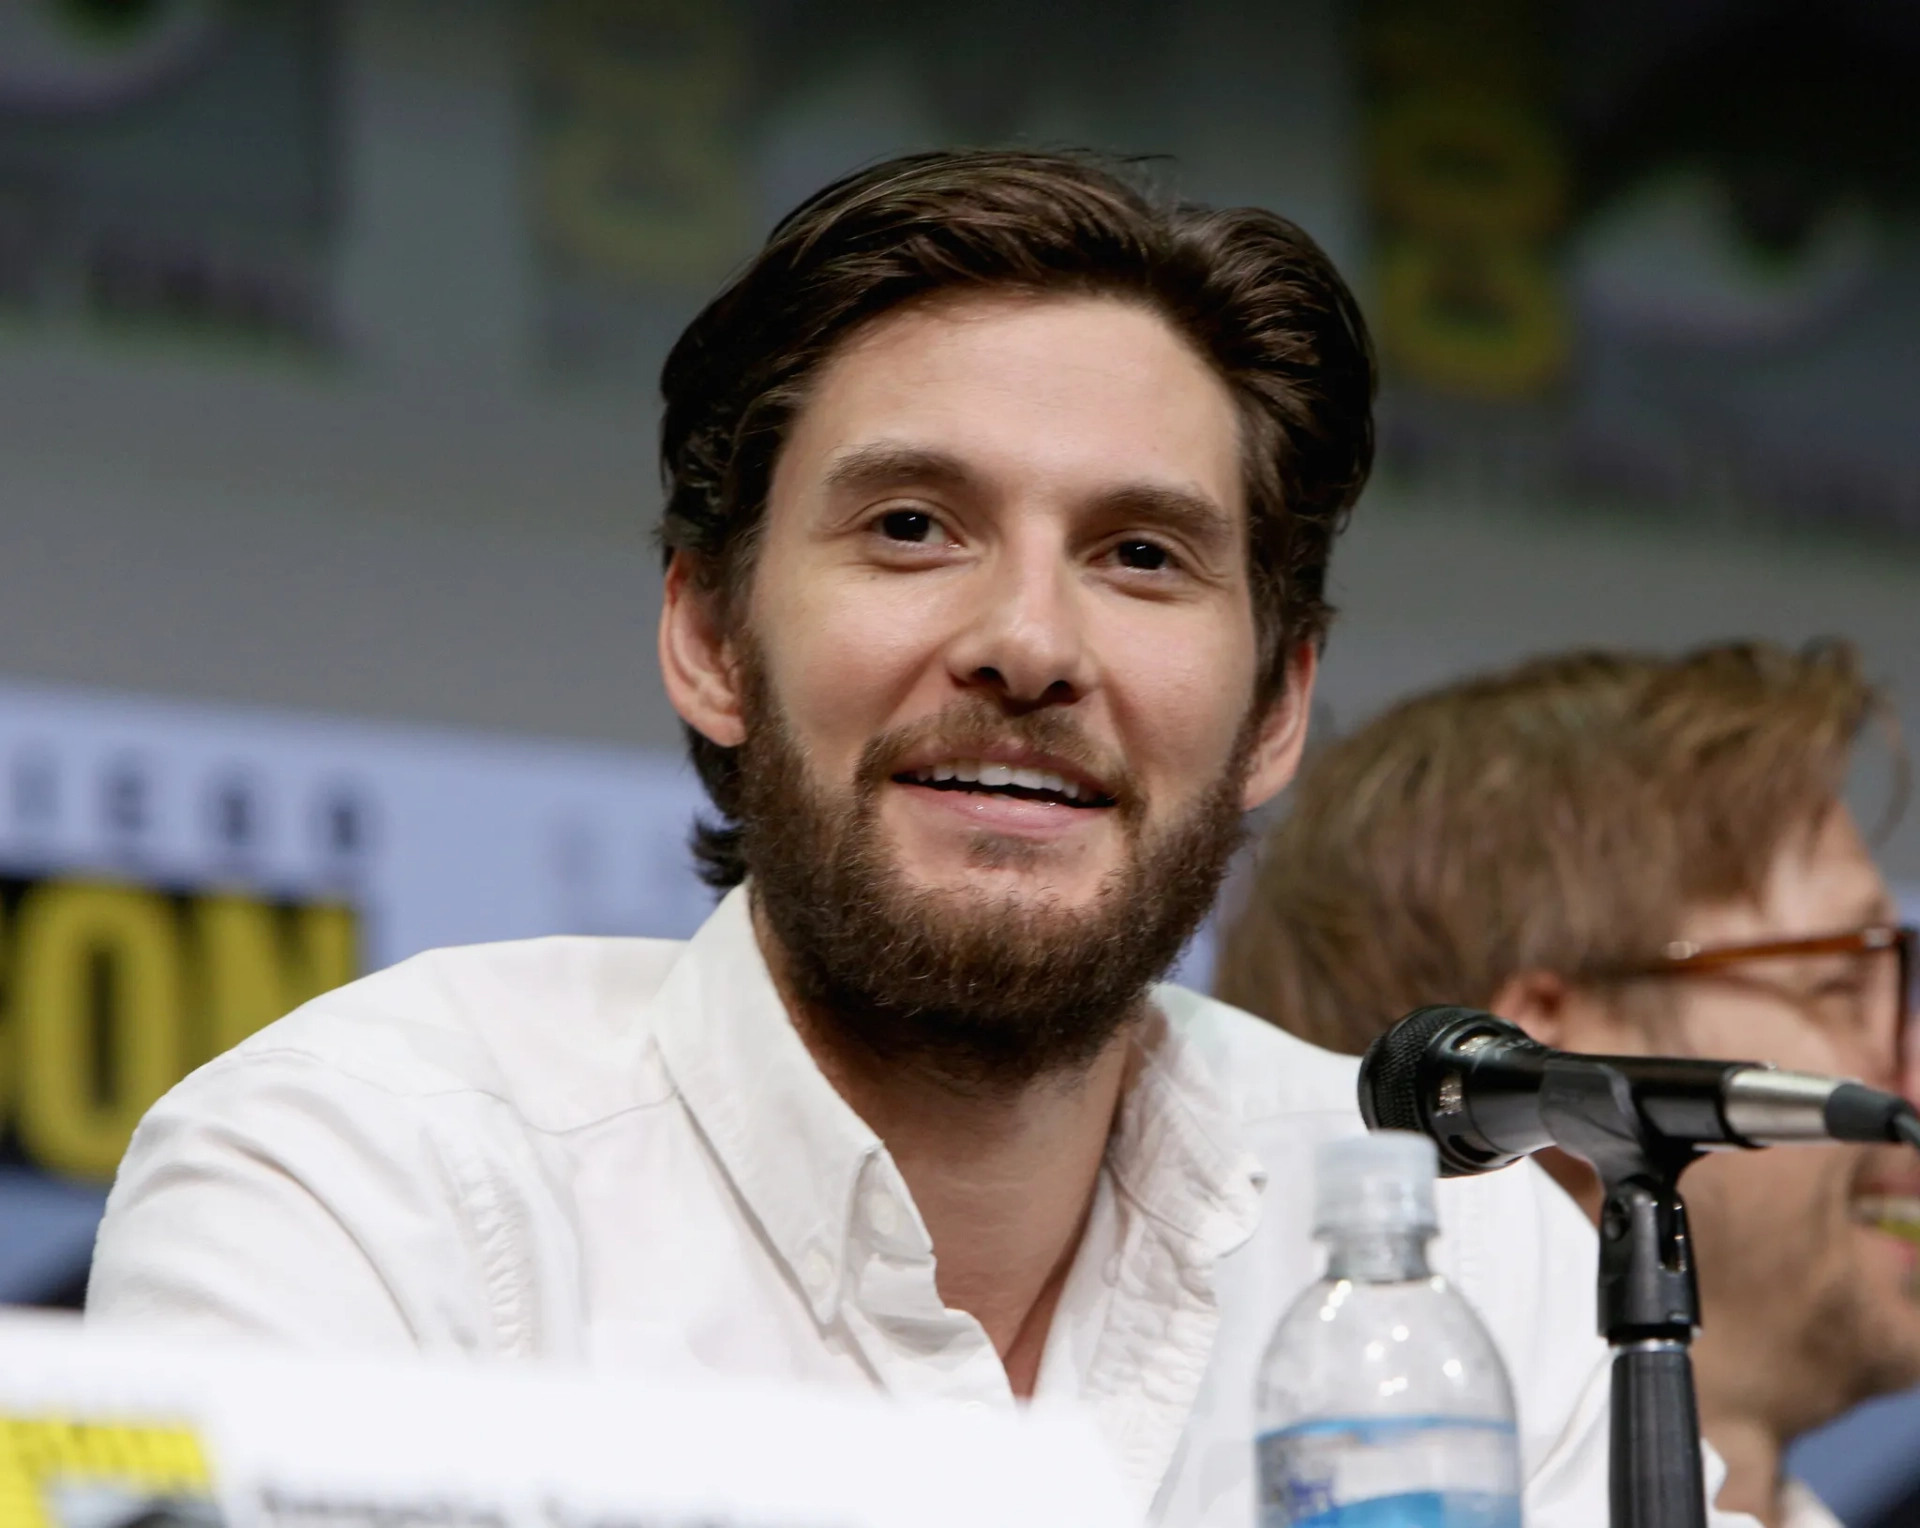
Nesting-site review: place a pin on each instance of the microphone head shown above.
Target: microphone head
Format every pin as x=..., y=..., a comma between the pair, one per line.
x=1390, y=1070
x=1399, y=1071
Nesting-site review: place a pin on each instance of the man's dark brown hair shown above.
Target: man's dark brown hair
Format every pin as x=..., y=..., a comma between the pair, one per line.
x=1252, y=293
x=1565, y=816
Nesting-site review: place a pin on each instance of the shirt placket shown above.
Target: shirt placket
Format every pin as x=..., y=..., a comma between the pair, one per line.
x=914, y=1342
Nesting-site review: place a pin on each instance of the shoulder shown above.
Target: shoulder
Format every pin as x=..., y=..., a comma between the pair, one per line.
x=379, y=1167
x=1260, y=1069
x=555, y=1026
x=1270, y=1078
x=1266, y=1074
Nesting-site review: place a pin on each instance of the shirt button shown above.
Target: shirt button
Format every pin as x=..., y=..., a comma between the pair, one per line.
x=882, y=1215
x=816, y=1272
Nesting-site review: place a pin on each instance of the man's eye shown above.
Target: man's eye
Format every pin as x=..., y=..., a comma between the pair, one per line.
x=1147, y=556
x=912, y=525
x=1839, y=987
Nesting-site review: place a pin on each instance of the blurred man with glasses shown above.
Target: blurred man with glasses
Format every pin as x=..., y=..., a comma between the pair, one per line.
x=1632, y=854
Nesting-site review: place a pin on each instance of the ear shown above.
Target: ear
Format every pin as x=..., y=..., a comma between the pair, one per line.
x=696, y=660
x=1283, y=730
x=1556, y=1012
x=1538, y=1002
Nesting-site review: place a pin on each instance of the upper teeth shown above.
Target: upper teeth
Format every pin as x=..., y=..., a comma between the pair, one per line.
x=1887, y=1209
x=971, y=771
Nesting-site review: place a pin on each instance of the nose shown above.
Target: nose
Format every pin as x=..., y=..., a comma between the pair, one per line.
x=1025, y=637
x=1884, y=1070
x=1870, y=1052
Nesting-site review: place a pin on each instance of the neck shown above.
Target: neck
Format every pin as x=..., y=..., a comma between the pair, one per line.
x=1004, y=1180
x=1751, y=1450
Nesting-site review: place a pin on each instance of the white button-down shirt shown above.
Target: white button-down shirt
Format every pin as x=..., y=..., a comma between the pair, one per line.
x=1800, y=1508
x=619, y=1151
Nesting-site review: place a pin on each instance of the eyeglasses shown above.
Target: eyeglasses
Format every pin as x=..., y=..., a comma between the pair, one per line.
x=1887, y=999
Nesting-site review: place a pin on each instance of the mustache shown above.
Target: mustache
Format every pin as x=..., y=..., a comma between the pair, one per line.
x=972, y=726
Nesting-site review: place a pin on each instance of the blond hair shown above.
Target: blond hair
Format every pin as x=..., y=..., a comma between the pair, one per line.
x=1562, y=816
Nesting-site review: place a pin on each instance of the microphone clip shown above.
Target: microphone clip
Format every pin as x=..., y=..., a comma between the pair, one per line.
x=1648, y=1289
x=1649, y=1297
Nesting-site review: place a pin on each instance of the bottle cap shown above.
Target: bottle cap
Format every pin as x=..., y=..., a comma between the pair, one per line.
x=1377, y=1182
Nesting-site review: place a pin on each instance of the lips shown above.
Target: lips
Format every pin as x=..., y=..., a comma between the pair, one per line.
x=1893, y=1212
x=1021, y=781
x=974, y=761
x=1885, y=1192
x=1888, y=1211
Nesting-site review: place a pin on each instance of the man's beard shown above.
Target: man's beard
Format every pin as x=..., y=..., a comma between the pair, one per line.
x=976, y=992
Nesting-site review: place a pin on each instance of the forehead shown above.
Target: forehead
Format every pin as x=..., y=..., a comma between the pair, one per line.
x=1066, y=393
x=1823, y=880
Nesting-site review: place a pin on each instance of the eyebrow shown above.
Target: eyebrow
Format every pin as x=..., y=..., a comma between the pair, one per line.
x=870, y=468
x=1191, y=515
x=883, y=465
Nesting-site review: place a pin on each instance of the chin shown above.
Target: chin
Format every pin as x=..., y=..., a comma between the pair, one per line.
x=1009, y=885
x=1886, y=1304
x=991, y=865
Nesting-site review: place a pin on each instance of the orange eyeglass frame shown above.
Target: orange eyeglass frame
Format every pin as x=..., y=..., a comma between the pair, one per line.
x=1685, y=958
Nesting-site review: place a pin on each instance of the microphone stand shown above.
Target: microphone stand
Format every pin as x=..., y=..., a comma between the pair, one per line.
x=1649, y=1300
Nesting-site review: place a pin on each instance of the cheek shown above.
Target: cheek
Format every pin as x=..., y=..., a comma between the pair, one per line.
x=1180, y=691
x=1764, y=1212
x=1747, y=1030
x=848, y=655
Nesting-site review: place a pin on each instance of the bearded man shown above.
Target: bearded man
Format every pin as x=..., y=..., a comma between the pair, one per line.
x=999, y=505
x=1626, y=853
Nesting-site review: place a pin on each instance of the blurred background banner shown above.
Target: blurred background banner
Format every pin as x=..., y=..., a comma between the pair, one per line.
x=1654, y=254
x=642, y=190
x=1660, y=252
x=1660, y=255
x=168, y=168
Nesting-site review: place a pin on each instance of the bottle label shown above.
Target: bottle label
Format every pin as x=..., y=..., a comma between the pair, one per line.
x=1390, y=1472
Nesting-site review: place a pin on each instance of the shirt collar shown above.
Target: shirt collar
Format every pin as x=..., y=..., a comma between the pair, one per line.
x=792, y=1146
x=795, y=1150
x=1176, y=1151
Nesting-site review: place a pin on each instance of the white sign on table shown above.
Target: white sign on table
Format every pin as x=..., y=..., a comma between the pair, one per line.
x=102, y=1431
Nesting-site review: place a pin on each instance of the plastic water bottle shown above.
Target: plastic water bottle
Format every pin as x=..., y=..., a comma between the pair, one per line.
x=1381, y=1401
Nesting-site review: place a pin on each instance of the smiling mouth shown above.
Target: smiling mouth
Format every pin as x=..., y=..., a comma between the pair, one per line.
x=1020, y=784
x=1897, y=1214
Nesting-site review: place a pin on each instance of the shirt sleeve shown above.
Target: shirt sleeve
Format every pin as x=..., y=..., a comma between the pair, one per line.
x=271, y=1196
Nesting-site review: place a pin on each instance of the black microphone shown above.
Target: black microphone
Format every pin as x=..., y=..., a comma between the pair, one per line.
x=1487, y=1095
